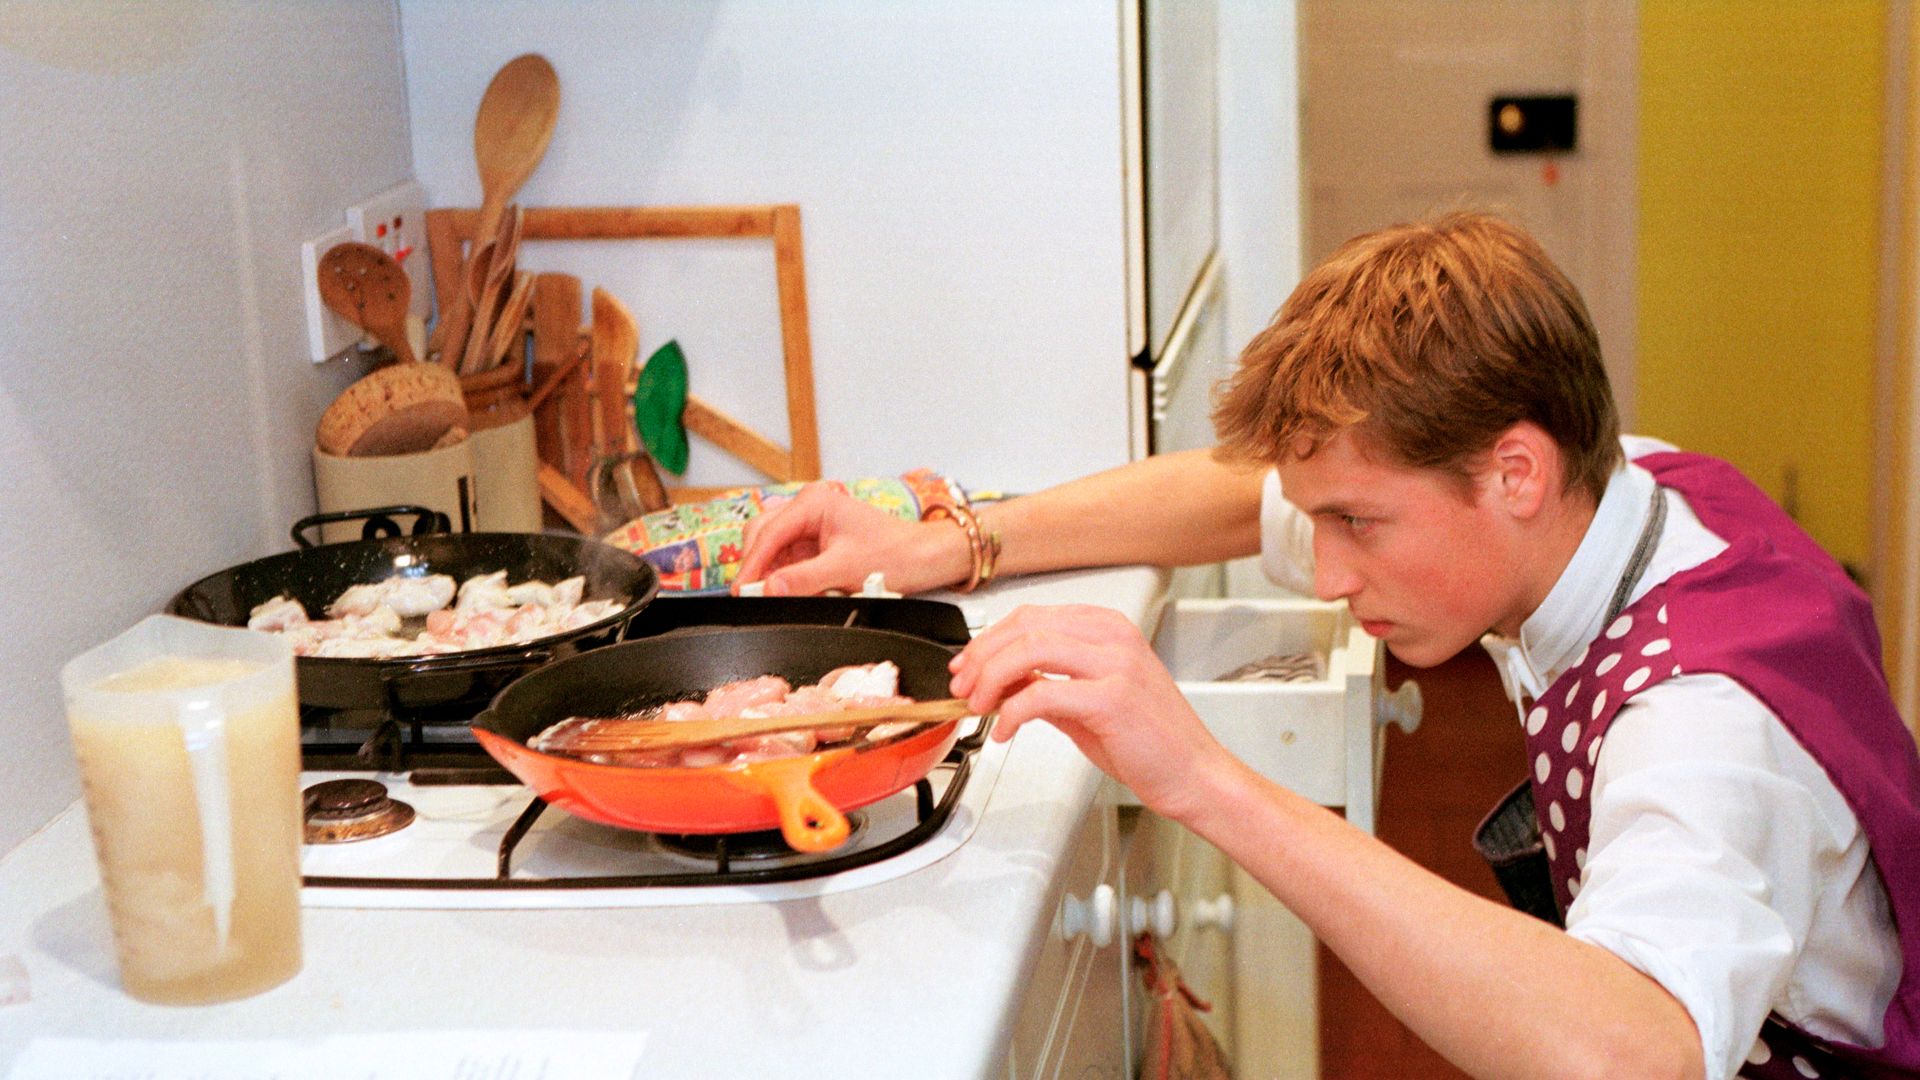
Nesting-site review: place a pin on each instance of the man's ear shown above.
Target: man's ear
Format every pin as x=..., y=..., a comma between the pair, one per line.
x=1524, y=469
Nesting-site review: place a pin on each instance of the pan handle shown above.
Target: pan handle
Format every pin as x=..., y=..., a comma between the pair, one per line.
x=379, y=522
x=808, y=822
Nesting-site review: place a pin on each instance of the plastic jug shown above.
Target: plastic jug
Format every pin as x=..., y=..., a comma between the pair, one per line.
x=188, y=738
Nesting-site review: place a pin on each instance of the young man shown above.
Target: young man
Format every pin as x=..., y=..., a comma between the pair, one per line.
x=1728, y=801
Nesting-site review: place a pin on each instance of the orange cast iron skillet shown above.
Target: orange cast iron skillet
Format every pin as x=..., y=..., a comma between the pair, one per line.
x=805, y=796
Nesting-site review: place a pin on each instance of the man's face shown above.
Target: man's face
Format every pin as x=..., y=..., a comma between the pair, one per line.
x=1425, y=567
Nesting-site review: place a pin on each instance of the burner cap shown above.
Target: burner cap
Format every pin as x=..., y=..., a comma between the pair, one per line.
x=339, y=811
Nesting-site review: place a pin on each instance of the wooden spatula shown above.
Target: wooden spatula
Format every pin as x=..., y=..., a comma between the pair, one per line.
x=635, y=734
x=369, y=289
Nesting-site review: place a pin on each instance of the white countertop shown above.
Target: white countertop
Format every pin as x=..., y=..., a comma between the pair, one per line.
x=918, y=976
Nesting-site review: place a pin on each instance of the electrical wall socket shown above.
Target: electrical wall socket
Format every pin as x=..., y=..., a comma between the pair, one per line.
x=395, y=221
x=328, y=335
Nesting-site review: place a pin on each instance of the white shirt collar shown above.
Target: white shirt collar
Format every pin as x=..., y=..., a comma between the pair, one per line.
x=1571, y=616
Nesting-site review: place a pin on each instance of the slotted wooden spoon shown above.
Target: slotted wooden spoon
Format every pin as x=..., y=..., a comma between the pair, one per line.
x=370, y=290
x=632, y=733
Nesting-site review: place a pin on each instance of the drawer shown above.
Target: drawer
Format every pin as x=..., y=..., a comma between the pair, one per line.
x=1316, y=736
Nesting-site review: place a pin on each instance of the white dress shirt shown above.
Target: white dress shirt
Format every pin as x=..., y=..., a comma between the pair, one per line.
x=1722, y=861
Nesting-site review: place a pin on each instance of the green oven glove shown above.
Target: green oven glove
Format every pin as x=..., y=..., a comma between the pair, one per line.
x=659, y=399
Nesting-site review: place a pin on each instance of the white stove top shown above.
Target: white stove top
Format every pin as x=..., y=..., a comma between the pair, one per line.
x=457, y=831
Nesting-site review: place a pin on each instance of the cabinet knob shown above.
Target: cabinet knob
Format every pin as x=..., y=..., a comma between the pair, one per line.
x=1216, y=913
x=1402, y=707
x=1096, y=917
x=1160, y=915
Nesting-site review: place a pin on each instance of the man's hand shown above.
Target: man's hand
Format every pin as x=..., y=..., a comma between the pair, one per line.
x=1090, y=673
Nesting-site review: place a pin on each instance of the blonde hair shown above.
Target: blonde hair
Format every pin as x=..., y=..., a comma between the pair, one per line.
x=1429, y=339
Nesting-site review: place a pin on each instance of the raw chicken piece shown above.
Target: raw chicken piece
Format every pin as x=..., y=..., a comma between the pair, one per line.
x=276, y=615
x=863, y=680
x=764, y=747
x=378, y=648
x=684, y=710
x=590, y=612
x=570, y=591
x=483, y=592
x=530, y=592
x=701, y=757
x=736, y=697
x=408, y=597
x=413, y=597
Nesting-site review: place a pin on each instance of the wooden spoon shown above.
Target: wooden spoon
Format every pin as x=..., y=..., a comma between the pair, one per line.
x=511, y=322
x=624, y=733
x=369, y=289
x=492, y=284
x=511, y=132
x=510, y=135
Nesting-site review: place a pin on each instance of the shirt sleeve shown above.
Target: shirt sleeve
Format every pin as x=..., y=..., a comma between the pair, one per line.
x=1286, y=539
x=1702, y=856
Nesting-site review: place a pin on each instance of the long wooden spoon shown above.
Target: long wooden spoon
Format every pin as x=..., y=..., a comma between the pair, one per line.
x=369, y=289
x=510, y=135
x=511, y=132
x=632, y=733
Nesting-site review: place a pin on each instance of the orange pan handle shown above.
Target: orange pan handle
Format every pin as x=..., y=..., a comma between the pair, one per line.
x=808, y=822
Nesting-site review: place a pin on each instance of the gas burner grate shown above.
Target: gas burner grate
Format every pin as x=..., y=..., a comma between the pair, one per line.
x=724, y=865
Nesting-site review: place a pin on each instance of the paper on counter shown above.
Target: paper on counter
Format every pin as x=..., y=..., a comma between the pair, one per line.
x=409, y=1055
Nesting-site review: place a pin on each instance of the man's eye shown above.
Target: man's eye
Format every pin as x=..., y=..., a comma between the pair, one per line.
x=1357, y=524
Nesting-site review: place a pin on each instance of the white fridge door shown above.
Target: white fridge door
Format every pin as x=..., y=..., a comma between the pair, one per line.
x=1180, y=79
x=1181, y=383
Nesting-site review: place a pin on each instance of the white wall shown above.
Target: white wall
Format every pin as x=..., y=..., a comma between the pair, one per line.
x=163, y=163
x=958, y=169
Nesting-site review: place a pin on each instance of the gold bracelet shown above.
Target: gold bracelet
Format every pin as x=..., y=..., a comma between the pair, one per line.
x=980, y=560
x=992, y=558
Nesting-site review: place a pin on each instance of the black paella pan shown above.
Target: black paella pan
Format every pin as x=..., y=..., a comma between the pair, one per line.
x=422, y=686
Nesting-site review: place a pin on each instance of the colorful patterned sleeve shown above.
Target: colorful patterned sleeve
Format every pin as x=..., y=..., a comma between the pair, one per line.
x=696, y=547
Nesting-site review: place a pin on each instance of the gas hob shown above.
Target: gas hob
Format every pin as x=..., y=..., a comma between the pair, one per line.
x=496, y=846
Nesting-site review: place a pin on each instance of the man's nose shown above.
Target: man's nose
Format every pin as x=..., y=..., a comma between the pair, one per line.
x=1333, y=577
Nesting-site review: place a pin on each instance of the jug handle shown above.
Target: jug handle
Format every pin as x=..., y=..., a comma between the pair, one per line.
x=204, y=726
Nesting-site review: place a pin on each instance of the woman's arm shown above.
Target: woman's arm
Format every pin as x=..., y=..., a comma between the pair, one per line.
x=1169, y=510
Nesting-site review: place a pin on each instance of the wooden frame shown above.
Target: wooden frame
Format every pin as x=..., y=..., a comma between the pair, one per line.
x=449, y=229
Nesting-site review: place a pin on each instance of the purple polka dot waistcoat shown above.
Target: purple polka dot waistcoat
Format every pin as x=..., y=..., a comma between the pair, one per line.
x=1776, y=614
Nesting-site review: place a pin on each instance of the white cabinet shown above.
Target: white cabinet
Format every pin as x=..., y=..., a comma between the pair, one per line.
x=1178, y=887
x=1236, y=948
x=1071, y=1022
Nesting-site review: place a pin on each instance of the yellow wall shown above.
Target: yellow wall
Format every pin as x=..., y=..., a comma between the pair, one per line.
x=1760, y=148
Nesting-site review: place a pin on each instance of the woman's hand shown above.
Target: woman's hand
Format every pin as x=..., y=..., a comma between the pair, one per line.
x=1090, y=673
x=824, y=538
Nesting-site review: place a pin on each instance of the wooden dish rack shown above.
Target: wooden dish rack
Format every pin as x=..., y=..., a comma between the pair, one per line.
x=563, y=422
